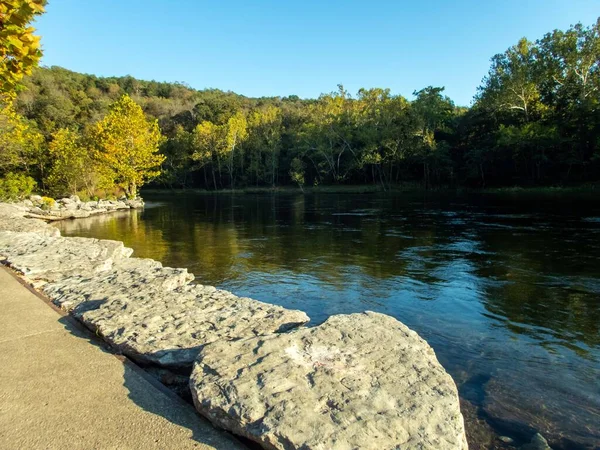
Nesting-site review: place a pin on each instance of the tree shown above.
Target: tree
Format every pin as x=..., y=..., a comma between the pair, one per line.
x=73, y=168
x=207, y=142
x=19, y=48
x=511, y=82
x=434, y=112
x=20, y=144
x=127, y=146
x=264, y=131
x=235, y=132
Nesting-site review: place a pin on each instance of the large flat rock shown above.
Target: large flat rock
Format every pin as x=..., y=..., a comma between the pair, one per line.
x=360, y=381
x=127, y=278
x=49, y=258
x=12, y=218
x=169, y=327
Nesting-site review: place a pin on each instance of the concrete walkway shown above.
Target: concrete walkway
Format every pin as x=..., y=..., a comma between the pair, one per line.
x=60, y=389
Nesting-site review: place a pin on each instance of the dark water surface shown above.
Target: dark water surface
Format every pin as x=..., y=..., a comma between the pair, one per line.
x=506, y=288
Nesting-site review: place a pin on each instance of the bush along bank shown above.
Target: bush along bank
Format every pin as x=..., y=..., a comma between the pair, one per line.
x=356, y=381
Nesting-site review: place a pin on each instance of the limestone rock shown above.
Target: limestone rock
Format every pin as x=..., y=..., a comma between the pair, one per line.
x=47, y=258
x=168, y=328
x=12, y=218
x=359, y=381
x=144, y=277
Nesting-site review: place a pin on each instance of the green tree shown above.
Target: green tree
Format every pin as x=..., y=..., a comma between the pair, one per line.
x=511, y=83
x=434, y=112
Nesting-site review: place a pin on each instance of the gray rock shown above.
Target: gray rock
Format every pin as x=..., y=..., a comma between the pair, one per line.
x=71, y=206
x=142, y=276
x=43, y=258
x=63, y=213
x=90, y=205
x=538, y=442
x=75, y=198
x=35, y=198
x=135, y=203
x=27, y=203
x=12, y=218
x=168, y=328
x=360, y=381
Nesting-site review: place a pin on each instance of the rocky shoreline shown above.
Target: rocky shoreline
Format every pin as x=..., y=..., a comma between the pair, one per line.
x=355, y=381
x=72, y=207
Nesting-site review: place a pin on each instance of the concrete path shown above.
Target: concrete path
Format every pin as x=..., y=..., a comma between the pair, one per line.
x=60, y=389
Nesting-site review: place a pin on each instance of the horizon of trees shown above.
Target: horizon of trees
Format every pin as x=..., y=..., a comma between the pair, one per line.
x=535, y=121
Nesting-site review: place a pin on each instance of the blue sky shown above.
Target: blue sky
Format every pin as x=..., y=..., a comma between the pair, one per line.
x=303, y=47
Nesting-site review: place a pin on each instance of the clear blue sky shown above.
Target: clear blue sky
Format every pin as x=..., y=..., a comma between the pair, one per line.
x=302, y=47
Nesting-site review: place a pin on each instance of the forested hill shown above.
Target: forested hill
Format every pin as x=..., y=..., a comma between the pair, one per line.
x=534, y=121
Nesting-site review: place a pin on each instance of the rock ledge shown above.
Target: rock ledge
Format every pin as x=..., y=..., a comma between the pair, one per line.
x=357, y=381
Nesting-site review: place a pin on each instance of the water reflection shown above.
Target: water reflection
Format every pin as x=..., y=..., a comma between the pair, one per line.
x=505, y=289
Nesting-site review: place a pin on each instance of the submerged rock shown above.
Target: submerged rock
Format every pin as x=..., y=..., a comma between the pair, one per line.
x=567, y=419
x=538, y=442
x=357, y=381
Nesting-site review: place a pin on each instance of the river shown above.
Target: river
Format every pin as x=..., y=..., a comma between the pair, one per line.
x=505, y=287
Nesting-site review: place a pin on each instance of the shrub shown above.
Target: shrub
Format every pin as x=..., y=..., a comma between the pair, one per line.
x=47, y=203
x=16, y=186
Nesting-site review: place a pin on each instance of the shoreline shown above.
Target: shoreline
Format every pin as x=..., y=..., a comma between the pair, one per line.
x=170, y=324
x=377, y=189
x=72, y=207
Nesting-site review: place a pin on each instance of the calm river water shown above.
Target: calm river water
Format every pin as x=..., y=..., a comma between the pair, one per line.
x=506, y=288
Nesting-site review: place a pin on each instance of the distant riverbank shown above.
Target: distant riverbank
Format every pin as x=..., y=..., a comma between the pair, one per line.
x=371, y=188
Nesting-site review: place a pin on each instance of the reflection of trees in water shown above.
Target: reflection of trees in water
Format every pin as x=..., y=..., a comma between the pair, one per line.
x=144, y=237
x=541, y=290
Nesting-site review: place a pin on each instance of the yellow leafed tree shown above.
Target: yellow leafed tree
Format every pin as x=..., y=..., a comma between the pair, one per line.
x=19, y=142
x=73, y=169
x=19, y=48
x=127, y=146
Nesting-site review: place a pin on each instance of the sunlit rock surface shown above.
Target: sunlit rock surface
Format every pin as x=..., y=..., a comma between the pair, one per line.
x=47, y=258
x=356, y=381
x=73, y=208
x=169, y=327
x=12, y=218
x=128, y=278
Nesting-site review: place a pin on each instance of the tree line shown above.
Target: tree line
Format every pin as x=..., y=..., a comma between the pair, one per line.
x=535, y=121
